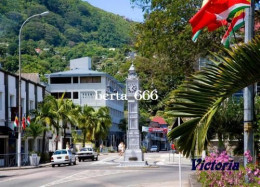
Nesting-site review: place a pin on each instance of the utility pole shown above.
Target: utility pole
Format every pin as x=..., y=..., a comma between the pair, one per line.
x=19, y=156
x=249, y=91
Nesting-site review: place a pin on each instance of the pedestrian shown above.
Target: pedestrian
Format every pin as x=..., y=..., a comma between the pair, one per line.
x=101, y=148
x=123, y=149
x=120, y=147
x=173, y=148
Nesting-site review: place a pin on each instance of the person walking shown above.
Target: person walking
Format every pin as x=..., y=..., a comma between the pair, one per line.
x=101, y=148
x=120, y=147
x=123, y=149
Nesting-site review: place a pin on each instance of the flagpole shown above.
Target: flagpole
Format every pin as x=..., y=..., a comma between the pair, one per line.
x=249, y=91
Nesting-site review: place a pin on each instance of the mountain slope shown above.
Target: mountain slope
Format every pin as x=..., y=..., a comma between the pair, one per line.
x=73, y=29
x=69, y=21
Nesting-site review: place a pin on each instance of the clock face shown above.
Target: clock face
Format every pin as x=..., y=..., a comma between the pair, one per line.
x=132, y=88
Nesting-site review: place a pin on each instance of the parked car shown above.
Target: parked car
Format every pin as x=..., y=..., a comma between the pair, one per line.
x=63, y=156
x=154, y=148
x=87, y=153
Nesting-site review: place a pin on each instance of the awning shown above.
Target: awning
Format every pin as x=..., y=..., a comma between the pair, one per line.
x=5, y=130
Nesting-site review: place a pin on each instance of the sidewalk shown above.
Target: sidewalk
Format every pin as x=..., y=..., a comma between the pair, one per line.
x=25, y=167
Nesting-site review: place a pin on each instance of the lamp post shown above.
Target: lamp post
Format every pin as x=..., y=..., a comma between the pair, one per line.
x=20, y=82
x=249, y=91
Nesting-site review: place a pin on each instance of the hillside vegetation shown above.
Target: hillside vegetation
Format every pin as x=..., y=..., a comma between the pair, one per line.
x=73, y=29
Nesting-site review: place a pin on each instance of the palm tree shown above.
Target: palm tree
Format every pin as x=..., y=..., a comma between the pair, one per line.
x=200, y=96
x=103, y=124
x=34, y=130
x=45, y=117
x=63, y=110
x=86, y=122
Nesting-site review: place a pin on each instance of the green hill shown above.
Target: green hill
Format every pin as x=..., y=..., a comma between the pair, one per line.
x=71, y=30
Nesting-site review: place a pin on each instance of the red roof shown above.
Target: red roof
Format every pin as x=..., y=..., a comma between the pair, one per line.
x=159, y=120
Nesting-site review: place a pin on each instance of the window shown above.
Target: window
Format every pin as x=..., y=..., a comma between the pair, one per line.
x=55, y=95
x=58, y=95
x=67, y=95
x=23, y=108
x=31, y=105
x=75, y=95
x=11, y=100
x=59, y=152
x=1, y=101
x=90, y=79
x=75, y=80
x=88, y=95
x=96, y=79
x=60, y=80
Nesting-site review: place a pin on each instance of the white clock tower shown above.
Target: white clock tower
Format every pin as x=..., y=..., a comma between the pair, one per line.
x=133, y=153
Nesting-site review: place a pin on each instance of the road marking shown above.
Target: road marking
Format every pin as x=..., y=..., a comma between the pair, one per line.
x=86, y=175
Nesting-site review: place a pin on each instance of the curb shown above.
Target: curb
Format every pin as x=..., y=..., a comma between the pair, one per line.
x=193, y=181
x=25, y=167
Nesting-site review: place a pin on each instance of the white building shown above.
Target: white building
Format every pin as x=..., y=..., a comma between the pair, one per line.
x=81, y=84
x=31, y=93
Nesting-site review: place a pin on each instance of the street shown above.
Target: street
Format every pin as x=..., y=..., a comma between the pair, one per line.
x=105, y=172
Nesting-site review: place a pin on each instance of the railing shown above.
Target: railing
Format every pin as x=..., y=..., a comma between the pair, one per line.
x=10, y=160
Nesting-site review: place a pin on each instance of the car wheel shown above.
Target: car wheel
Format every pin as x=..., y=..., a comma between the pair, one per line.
x=97, y=158
x=70, y=163
x=93, y=158
x=58, y=165
x=79, y=160
x=75, y=162
x=53, y=165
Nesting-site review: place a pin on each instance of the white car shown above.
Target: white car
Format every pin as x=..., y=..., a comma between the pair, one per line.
x=154, y=148
x=63, y=156
x=87, y=153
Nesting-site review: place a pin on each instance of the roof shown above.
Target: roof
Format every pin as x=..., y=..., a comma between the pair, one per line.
x=76, y=72
x=159, y=120
x=25, y=79
x=31, y=76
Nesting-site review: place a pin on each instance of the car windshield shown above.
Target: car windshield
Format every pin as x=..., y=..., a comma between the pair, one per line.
x=59, y=152
x=86, y=149
x=154, y=146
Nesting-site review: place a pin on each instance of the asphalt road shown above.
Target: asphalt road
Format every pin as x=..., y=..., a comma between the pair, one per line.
x=101, y=173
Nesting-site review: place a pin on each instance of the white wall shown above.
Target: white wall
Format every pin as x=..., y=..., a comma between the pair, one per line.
x=11, y=91
x=39, y=94
x=81, y=63
x=23, y=95
x=2, y=100
x=31, y=97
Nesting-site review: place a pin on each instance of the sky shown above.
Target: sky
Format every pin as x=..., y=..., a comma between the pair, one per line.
x=121, y=7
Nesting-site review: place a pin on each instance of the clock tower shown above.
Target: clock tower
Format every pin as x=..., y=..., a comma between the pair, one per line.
x=133, y=153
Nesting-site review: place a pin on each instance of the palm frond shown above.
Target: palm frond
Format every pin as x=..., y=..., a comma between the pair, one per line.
x=201, y=95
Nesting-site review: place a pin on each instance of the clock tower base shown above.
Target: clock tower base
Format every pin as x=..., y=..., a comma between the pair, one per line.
x=133, y=155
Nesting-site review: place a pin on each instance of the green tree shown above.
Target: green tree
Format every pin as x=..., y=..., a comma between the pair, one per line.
x=63, y=110
x=227, y=123
x=103, y=124
x=45, y=117
x=86, y=122
x=34, y=130
x=201, y=96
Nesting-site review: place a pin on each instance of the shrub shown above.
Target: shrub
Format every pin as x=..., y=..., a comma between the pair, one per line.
x=229, y=177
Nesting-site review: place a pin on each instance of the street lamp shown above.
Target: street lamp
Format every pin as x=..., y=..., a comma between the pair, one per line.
x=20, y=82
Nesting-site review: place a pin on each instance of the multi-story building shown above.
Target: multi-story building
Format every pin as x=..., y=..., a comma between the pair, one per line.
x=81, y=84
x=31, y=93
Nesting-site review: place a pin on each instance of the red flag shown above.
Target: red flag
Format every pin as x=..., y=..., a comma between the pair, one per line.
x=215, y=11
x=23, y=123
